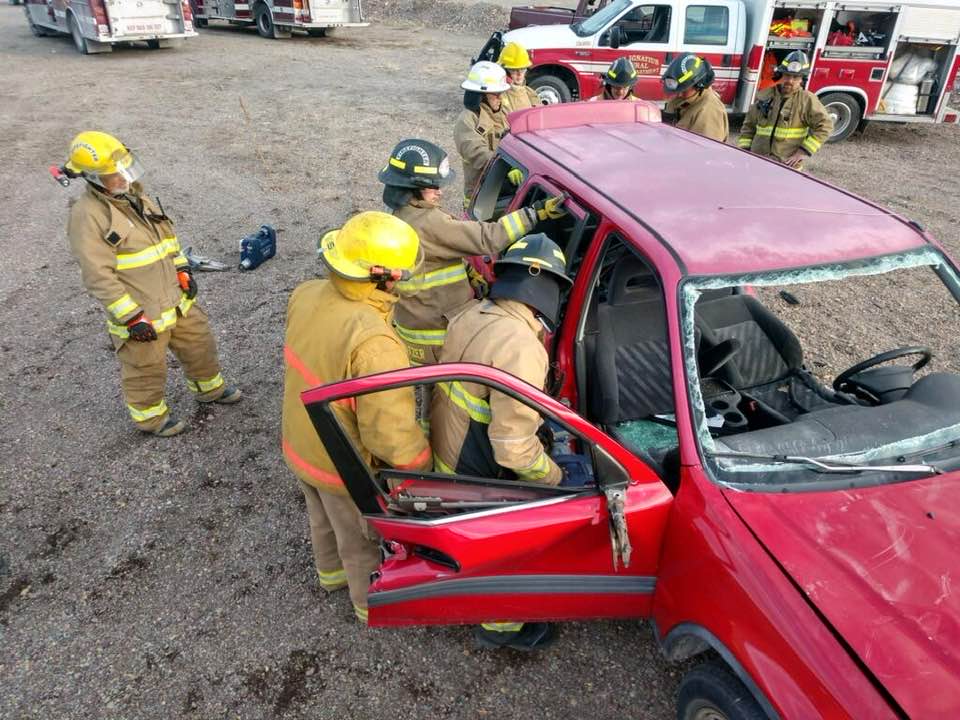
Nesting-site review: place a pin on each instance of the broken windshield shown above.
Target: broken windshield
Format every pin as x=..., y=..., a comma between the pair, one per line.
x=847, y=369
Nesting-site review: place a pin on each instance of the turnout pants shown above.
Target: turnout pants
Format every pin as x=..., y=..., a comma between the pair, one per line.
x=344, y=547
x=143, y=368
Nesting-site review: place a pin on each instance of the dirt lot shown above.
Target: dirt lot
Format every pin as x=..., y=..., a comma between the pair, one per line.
x=144, y=578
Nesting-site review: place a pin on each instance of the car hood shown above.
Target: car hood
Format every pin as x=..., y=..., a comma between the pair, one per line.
x=540, y=37
x=883, y=566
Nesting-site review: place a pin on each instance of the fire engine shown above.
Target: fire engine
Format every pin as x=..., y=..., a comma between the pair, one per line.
x=870, y=61
x=97, y=25
x=278, y=18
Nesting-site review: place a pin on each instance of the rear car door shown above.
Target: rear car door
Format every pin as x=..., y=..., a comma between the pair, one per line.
x=460, y=549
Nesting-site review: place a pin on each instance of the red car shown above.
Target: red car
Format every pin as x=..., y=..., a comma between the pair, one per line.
x=799, y=534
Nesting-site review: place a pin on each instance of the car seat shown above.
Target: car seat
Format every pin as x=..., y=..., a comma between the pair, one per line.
x=770, y=358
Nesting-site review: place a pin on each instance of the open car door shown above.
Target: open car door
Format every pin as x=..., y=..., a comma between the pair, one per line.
x=459, y=549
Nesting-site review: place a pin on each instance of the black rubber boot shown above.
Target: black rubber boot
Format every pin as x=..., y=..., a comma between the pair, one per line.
x=529, y=638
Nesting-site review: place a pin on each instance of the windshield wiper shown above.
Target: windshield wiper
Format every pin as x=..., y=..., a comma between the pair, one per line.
x=823, y=465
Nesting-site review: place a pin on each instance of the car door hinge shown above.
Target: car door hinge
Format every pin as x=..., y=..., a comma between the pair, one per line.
x=619, y=536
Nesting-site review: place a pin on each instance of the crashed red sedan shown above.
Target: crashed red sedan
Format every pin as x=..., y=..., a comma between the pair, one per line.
x=794, y=523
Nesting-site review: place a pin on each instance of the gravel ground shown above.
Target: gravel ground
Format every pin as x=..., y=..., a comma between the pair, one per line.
x=144, y=578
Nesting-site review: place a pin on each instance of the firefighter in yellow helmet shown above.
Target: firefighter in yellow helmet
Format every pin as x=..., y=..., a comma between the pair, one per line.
x=482, y=123
x=131, y=262
x=413, y=178
x=619, y=81
x=787, y=122
x=339, y=328
x=485, y=433
x=515, y=60
x=693, y=104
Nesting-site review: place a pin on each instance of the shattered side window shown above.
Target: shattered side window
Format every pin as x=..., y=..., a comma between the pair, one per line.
x=764, y=352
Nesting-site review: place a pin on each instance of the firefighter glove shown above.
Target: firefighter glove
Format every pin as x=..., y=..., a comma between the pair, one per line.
x=478, y=282
x=187, y=283
x=141, y=329
x=515, y=176
x=550, y=208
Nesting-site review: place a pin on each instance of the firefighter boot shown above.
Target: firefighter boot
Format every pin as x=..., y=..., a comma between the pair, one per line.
x=526, y=637
x=172, y=426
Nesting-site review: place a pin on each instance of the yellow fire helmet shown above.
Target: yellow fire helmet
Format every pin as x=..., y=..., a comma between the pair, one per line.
x=372, y=246
x=514, y=57
x=95, y=154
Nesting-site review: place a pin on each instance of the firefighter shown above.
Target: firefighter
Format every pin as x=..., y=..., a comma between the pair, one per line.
x=787, y=122
x=131, y=262
x=618, y=81
x=413, y=178
x=515, y=60
x=485, y=433
x=693, y=104
x=339, y=328
x=483, y=122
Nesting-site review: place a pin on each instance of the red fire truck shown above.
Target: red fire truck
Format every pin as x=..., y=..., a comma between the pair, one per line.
x=876, y=61
x=278, y=18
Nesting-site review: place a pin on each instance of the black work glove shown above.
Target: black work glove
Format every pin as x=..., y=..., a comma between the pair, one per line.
x=141, y=329
x=187, y=283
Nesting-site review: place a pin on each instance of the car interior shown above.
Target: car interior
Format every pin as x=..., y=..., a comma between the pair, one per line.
x=758, y=396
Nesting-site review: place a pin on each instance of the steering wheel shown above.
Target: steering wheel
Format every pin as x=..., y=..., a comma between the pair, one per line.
x=844, y=382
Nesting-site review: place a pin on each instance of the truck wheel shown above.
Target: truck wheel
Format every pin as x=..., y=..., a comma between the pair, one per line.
x=79, y=41
x=551, y=89
x=711, y=692
x=317, y=32
x=266, y=26
x=846, y=113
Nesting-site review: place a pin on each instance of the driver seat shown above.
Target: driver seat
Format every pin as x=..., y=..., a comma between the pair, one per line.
x=770, y=359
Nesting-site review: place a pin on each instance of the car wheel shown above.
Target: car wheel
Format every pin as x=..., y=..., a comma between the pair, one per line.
x=711, y=692
x=551, y=89
x=79, y=41
x=845, y=112
x=153, y=44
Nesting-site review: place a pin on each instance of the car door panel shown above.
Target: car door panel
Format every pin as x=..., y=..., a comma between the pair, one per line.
x=550, y=557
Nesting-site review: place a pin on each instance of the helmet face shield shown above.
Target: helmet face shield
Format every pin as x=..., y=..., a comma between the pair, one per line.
x=123, y=163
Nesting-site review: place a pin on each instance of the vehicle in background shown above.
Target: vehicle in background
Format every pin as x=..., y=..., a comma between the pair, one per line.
x=97, y=25
x=871, y=60
x=526, y=15
x=279, y=18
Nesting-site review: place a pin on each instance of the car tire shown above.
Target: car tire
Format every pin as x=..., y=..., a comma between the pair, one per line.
x=265, y=24
x=79, y=41
x=711, y=692
x=200, y=22
x=153, y=44
x=551, y=89
x=846, y=113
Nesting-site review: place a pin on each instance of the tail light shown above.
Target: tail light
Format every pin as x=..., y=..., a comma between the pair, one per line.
x=187, y=11
x=100, y=15
x=301, y=10
x=753, y=60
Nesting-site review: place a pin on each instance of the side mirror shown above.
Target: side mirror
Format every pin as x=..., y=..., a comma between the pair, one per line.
x=616, y=36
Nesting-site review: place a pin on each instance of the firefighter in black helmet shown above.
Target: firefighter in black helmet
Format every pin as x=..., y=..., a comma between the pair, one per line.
x=693, y=104
x=414, y=176
x=786, y=121
x=479, y=431
x=618, y=81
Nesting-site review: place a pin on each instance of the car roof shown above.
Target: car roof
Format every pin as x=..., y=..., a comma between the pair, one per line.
x=718, y=209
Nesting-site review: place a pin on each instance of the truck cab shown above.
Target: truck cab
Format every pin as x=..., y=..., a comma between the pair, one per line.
x=526, y=15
